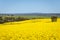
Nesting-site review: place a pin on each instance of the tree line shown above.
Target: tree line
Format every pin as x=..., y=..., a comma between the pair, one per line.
x=11, y=19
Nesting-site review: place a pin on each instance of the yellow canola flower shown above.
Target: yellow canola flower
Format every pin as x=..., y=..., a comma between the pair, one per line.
x=36, y=29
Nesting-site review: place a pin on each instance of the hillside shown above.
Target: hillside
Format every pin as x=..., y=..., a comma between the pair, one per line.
x=38, y=29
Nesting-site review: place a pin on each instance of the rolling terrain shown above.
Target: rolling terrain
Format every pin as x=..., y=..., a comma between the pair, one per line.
x=35, y=29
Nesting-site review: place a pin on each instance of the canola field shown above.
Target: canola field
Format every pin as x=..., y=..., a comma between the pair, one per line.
x=36, y=29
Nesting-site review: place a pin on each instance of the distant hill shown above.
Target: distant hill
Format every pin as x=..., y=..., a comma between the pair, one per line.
x=34, y=14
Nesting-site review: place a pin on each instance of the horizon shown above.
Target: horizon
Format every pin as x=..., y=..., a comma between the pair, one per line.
x=29, y=6
x=30, y=13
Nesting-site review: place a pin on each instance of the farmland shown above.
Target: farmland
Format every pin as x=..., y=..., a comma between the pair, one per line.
x=34, y=29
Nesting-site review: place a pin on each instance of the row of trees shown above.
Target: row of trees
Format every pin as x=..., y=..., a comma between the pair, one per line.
x=11, y=19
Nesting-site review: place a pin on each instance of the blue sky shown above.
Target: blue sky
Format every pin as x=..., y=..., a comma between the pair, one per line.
x=29, y=6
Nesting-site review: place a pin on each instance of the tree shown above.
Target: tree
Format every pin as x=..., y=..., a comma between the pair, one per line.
x=21, y=19
x=9, y=19
x=1, y=20
x=53, y=18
